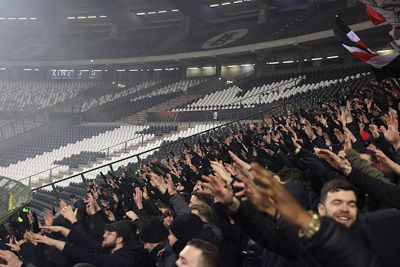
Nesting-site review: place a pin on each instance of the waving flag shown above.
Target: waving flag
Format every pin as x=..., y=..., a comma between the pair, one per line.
x=384, y=66
x=374, y=16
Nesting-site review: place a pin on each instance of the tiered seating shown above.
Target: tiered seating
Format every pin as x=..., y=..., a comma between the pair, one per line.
x=159, y=130
x=132, y=107
x=98, y=101
x=182, y=134
x=81, y=158
x=235, y=98
x=48, y=143
x=180, y=86
x=109, y=140
x=9, y=129
x=31, y=96
x=230, y=98
x=153, y=98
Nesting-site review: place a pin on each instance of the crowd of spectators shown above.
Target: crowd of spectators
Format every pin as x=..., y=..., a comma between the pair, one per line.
x=317, y=187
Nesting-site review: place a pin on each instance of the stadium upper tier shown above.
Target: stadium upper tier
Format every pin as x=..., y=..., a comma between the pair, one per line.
x=266, y=90
x=22, y=96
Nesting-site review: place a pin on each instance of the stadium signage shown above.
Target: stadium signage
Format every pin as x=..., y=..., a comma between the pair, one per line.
x=68, y=74
x=224, y=39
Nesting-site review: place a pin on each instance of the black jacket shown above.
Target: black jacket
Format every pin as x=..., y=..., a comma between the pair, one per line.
x=81, y=248
x=373, y=240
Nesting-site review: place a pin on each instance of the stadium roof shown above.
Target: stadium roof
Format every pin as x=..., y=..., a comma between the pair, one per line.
x=96, y=29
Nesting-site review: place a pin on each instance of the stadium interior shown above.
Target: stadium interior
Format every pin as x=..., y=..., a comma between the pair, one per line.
x=92, y=91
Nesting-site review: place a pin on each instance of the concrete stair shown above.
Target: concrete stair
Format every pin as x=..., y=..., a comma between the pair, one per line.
x=141, y=117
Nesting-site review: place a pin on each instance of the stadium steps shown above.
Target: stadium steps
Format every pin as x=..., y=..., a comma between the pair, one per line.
x=141, y=117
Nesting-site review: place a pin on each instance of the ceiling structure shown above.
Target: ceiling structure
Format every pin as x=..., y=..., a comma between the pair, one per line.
x=92, y=29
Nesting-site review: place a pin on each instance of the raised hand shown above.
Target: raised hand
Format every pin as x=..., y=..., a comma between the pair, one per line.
x=218, y=188
x=222, y=172
x=171, y=186
x=338, y=163
x=158, y=182
x=280, y=198
x=374, y=130
x=347, y=141
x=132, y=215
x=110, y=215
x=115, y=197
x=240, y=163
x=48, y=218
x=253, y=193
x=11, y=259
x=14, y=244
x=69, y=214
x=138, y=198
x=392, y=132
x=385, y=164
x=56, y=229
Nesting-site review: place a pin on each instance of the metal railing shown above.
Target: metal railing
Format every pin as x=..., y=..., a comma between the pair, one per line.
x=278, y=110
x=55, y=171
x=234, y=115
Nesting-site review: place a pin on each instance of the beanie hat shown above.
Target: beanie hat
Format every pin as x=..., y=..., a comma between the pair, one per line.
x=186, y=226
x=153, y=232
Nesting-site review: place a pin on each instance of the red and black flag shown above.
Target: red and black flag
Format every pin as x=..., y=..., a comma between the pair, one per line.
x=384, y=66
x=374, y=16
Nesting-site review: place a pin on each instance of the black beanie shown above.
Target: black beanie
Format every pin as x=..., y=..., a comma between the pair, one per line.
x=186, y=226
x=154, y=232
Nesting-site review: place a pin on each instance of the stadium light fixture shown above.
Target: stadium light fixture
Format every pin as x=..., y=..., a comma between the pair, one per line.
x=193, y=68
x=71, y=18
x=141, y=13
x=157, y=69
x=316, y=58
x=81, y=17
x=287, y=61
x=151, y=12
x=28, y=69
x=209, y=67
x=92, y=17
x=162, y=11
x=2, y=18
x=232, y=66
x=238, y=1
x=33, y=18
x=3, y=68
x=273, y=63
x=11, y=18
x=174, y=10
x=22, y=18
x=36, y=69
x=120, y=70
x=226, y=3
x=331, y=57
x=214, y=5
x=103, y=16
x=134, y=70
